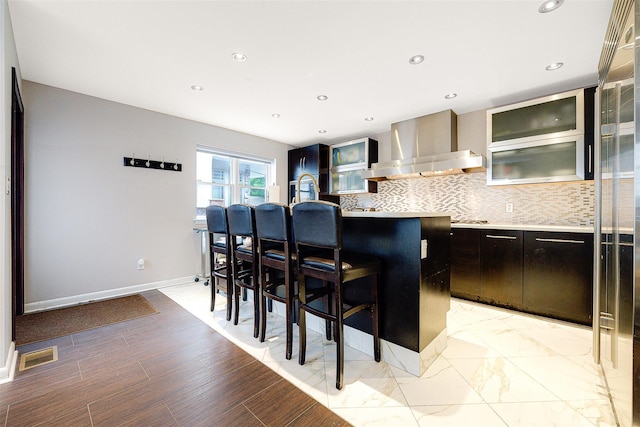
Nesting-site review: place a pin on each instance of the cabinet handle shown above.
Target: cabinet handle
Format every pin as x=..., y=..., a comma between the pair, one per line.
x=608, y=129
x=492, y=236
x=539, y=239
x=590, y=165
x=304, y=162
x=619, y=244
x=300, y=163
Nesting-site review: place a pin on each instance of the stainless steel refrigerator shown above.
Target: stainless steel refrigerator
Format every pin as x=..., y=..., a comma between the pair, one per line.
x=616, y=325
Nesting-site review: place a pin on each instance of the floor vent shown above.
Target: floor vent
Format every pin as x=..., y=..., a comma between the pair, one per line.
x=38, y=358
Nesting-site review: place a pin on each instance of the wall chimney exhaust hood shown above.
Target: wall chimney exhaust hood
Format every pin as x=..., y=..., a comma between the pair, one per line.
x=426, y=146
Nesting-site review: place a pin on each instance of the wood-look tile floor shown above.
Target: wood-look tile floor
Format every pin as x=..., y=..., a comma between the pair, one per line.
x=166, y=369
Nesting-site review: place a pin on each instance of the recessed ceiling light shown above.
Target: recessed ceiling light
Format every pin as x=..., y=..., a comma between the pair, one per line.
x=368, y=119
x=275, y=115
x=197, y=88
x=554, y=66
x=450, y=95
x=550, y=5
x=322, y=97
x=416, y=59
x=239, y=57
x=322, y=131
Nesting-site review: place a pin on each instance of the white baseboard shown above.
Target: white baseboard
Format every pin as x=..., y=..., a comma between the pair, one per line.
x=7, y=371
x=95, y=296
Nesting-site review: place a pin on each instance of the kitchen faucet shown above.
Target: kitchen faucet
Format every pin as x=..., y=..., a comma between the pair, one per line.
x=315, y=186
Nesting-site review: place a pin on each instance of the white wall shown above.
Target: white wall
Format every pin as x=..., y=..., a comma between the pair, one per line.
x=89, y=218
x=8, y=59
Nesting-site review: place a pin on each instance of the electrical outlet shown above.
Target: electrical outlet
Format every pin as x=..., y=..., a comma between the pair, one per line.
x=509, y=207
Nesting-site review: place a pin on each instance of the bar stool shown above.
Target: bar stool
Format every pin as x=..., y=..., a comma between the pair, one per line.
x=219, y=254
x=241, y=221
x=317, y=230
x=277, y=258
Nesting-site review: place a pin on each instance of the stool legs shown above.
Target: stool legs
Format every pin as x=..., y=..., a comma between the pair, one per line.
x=335, y=305
x=339, y=338
x=214, y=279
x=215, y=282
x=327, y=303
x=302, y=321
x=266, y=303
x=237, y=290
x=289, y=293
x=229, y=298
x=263, y=302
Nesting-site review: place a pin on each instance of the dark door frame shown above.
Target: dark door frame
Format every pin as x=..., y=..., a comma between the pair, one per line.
x=17, y=202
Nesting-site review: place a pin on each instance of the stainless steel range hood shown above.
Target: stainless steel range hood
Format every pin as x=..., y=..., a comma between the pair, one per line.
x=426, y=146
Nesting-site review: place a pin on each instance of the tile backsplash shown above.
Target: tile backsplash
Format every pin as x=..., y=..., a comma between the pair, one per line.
x=467, y=196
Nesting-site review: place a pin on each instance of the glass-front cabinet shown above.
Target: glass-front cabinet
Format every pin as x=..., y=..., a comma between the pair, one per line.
x=534, y=162
x=547, y=139
x=549, y=117
x=347, y=161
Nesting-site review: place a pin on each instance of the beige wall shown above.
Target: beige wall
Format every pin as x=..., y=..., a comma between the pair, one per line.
x=89, y=218
x=9, y=60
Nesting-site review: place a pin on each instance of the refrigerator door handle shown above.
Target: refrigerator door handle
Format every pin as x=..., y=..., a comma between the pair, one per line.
x=597, y=225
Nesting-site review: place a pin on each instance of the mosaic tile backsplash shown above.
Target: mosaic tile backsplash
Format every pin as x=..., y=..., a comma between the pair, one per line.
x=468, y=197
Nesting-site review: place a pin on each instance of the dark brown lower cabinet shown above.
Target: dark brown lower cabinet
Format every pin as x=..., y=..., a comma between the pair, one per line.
x=558, y=275
x=465, y=263
x=544, y=273
x=501, y=264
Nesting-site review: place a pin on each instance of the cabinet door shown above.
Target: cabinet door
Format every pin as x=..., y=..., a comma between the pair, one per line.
x=501, y=263
x=308, y=160
x=295, y=163
x=558, y=275
x=589, y=127
x=551, y=160
x=311, y=159
x=465, y=263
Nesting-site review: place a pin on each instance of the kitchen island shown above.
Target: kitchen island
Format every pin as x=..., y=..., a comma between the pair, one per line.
x=414, y=288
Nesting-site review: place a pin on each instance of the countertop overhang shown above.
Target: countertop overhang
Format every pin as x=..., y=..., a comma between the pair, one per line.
x=384, y=214
x=201, y=223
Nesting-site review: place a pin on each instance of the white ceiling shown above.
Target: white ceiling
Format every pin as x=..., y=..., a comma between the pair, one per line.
x=149, y=53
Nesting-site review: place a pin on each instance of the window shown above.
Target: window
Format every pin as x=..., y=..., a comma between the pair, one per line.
x=227, y=178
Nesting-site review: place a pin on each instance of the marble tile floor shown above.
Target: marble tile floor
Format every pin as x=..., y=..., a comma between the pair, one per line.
x=500, y=368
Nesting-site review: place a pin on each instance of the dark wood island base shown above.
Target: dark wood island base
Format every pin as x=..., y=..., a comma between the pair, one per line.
x=414, y=288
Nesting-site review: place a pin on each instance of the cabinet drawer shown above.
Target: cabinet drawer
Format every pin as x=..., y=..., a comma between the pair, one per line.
x=558, y=275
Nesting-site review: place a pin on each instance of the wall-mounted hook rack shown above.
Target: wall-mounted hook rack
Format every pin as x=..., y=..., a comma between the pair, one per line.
x=152, y=164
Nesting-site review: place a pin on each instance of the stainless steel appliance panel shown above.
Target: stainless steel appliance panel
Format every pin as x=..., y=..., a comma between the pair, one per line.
x=617, y=216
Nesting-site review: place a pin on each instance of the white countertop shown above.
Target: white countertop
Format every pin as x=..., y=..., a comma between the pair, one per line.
x=201, y=223
x=381, y=214
x=527, y=227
